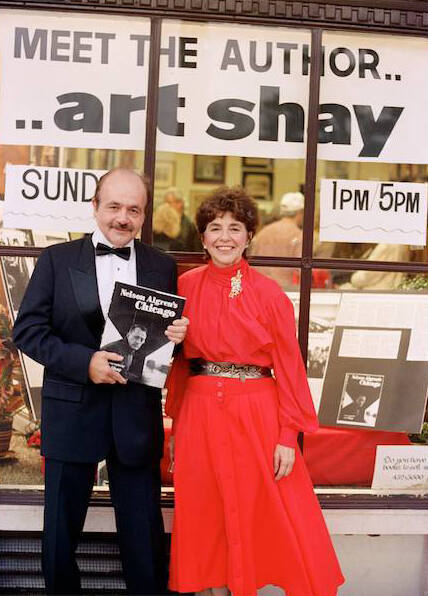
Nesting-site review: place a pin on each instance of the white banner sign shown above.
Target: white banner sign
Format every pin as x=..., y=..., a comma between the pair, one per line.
x=224, y=89
x=401, y=467
x=49, y=199
x=372, y=211
x=73, y=80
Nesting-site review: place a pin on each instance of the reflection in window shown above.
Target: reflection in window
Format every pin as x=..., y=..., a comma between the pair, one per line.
x=184, y=181
x=286, y=277
x=20, y=461
x=187, y=236
x=282, y=237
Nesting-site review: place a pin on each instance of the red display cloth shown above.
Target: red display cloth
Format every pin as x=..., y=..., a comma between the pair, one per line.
x=340, y=456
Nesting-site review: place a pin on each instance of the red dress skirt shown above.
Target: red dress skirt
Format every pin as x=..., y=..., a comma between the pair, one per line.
x=234, y=525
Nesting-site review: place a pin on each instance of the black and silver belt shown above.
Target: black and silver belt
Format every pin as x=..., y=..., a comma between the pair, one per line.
x=198, y=366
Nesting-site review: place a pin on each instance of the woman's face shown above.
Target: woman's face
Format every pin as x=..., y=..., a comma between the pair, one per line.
x=225, y=239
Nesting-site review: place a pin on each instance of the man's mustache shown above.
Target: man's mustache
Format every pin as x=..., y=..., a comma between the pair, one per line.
x=127, y=227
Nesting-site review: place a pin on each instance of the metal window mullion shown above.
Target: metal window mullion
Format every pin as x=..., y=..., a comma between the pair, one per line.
x=151, y=121
x=310, y=184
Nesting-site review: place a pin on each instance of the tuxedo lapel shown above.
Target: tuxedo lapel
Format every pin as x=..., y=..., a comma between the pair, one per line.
x=85, y=288
x=151, y=272
x=140, y=262
x=146, y=268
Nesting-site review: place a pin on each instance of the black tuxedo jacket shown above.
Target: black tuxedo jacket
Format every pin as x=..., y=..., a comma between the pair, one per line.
x=59, y=324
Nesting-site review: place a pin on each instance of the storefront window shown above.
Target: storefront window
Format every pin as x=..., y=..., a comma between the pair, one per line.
x=233, y=109
x=88, y=116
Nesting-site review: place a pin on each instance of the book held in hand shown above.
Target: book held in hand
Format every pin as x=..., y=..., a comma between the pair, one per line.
x=135, y=329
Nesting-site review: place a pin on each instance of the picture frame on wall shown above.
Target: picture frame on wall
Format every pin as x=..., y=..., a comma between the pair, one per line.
x=209, y=169
x=257, y=162
x=258, y=185
x=164, y=174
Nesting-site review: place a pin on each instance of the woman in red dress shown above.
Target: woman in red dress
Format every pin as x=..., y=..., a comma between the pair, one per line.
x=245, y=511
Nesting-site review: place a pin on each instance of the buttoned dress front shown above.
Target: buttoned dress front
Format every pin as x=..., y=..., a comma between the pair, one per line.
x=234, y=525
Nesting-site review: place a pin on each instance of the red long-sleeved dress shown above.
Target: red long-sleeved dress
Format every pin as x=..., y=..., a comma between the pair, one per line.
x=234, y=525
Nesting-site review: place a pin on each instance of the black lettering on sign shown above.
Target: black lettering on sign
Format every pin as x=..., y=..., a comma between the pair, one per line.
x=374, y=132
x=232, y=56
x=27, y=181
x=64, y=46
x=184, y=52
x=253, y=57
x=141, y=40
x=23, y=42
x=121, y=108
x=86, y=113
x=391, y=199
x=53, y=184
x=336, y=128
x=169, y=102
x=271, y=110
x=287, y=47
x=223, y=110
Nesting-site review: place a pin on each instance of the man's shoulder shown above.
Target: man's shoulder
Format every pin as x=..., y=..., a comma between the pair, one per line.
x=68, y=246
x=64, y=250
x=155, y=254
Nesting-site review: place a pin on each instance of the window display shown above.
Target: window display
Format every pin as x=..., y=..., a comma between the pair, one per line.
x=368, y=378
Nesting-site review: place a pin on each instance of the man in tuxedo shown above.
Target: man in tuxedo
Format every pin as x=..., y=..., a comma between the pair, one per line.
x=89, y=411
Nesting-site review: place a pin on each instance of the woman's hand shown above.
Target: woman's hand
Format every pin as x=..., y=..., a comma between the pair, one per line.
x=171, y=446
x=283, y=461
x=176, y=332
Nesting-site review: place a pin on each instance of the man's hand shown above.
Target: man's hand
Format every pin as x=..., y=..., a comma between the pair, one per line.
x=100, y=370
x=177, y=331
x=283, y=461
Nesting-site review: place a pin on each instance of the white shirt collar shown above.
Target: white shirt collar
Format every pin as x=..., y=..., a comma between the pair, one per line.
x=98, y=236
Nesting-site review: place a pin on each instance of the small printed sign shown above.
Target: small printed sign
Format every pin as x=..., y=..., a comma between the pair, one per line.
x=401, y=467
x=372, y=211
x=45, y=198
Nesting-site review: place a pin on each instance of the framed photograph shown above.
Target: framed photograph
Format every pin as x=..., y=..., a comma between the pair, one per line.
x=209, y=168
x=164, y=174
x=257, y=162
x=258, y=185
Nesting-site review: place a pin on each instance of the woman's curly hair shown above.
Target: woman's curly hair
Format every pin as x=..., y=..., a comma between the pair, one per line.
x=233, y=199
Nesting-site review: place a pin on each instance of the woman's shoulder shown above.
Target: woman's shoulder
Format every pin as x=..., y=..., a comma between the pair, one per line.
x=190, y=277
x=268, y=286
x=273, y=297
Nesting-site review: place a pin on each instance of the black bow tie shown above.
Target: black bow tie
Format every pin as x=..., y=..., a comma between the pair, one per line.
x=103, y=249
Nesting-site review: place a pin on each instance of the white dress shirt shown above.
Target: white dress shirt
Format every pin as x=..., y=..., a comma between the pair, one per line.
x=110, y=269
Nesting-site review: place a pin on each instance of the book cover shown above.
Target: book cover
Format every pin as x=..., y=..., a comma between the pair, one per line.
x=135, y=329
x=360, y=399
